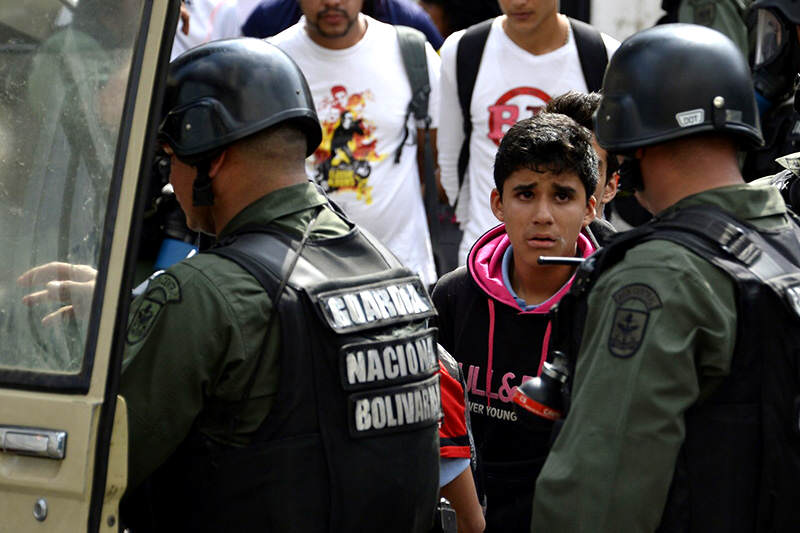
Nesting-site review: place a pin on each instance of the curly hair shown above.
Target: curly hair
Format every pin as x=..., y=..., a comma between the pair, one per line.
x=547, y=142
x=580, y=107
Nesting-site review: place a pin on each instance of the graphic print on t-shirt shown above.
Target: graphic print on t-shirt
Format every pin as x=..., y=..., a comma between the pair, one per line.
x=511, y=107
x=343, y=159
x=501, y=388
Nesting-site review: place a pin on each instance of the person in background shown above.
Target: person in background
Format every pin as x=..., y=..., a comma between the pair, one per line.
x=775, y=62
x=729, y=17
x=519, y=51
x=366, y=163
x=453, y=15
x=271, y=17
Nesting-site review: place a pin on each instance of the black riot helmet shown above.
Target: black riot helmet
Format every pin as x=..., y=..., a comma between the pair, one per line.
x=223, y=91
x=776, y=55
x=675, y=80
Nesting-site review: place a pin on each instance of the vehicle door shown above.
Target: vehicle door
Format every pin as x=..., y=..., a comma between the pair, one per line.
x=80, y=83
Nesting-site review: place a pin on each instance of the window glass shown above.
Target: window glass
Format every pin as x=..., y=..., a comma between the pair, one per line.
x=64, y=68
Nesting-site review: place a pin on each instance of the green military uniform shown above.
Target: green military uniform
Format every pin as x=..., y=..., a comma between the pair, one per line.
x=193, y=339
x=725, y=16
x=659, y=336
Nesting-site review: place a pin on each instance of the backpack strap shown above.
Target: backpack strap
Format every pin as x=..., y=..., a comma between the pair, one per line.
x=736, y=247
x=468, y=61
x=412, y=49
x=591, y=52
x=250, y=258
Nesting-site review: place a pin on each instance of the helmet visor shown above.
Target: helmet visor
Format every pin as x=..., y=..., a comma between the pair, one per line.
x=771, y=37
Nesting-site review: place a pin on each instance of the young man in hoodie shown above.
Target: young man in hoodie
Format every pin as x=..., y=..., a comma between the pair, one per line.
x=493, y=312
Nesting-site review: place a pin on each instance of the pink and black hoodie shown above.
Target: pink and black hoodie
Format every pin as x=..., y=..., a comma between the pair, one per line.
x=498, y=345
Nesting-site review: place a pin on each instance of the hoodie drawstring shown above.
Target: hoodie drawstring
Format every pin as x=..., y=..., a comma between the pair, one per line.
x=545, y=347
x=491, y=352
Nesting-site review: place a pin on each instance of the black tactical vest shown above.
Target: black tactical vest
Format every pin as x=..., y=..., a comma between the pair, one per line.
x=739, y=466
x=351, y=442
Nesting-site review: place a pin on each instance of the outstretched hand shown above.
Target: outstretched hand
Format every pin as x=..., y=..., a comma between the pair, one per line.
x=71, y=285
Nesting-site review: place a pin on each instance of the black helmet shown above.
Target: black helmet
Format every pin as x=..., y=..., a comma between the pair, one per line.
x=223, y=91
x=675, y=80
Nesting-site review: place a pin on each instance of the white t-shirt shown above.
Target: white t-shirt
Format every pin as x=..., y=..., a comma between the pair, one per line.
x=361, y=94
x=511, y=85
x=209, y=20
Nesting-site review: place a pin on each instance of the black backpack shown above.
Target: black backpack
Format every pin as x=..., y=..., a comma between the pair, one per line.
x=444, y=231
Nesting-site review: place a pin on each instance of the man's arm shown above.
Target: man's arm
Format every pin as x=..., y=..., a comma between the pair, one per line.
x=463, y=496
x=178, y=336
x=652, y=322
x=457, y=448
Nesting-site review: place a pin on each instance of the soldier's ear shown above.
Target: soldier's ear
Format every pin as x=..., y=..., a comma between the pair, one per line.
x=610, y=190
x=591, y=212
x=217, y=163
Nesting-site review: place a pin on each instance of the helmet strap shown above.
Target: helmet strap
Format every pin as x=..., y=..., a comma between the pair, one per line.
x=202, y=194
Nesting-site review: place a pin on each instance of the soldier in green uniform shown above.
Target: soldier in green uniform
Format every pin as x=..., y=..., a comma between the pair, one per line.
x=236, y=414
x=726, y=16
x=673, y=346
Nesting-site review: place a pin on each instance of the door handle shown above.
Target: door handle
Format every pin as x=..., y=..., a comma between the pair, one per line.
x=48, y=443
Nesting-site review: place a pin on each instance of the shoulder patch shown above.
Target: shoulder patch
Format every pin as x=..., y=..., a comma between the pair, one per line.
x=705, y=12
x=162, y=290
x=634, y=303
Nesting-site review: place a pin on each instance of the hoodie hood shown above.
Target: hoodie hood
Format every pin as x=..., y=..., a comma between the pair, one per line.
x=485, y=264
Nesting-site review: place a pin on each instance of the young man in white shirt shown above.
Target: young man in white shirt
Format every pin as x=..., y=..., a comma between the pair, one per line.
x=365, y=162
x=530, y=55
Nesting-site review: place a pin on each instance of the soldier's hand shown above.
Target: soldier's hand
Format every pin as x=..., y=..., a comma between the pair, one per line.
x=71, y=285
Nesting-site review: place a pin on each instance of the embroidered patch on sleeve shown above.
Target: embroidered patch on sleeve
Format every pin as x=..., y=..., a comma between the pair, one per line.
x=162, y=290
x=704, y=12
x=634, y=303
